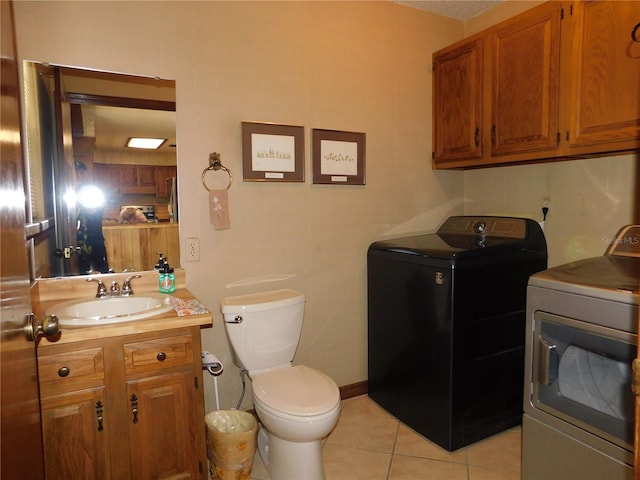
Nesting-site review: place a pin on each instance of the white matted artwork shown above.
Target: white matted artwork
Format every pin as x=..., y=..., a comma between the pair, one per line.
x=338, y=157
x=272, y=152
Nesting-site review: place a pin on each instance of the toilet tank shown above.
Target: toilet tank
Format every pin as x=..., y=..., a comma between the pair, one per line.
x=264, y=328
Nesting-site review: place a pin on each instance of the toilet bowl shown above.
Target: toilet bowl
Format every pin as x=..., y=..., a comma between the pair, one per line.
x=298, y=406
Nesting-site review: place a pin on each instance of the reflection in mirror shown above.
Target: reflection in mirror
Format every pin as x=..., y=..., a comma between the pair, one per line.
x=78, y=123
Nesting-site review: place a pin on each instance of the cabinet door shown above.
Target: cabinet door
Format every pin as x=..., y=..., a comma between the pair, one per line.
x=128, y=175
x=605, y=93
x=525, y=82
x=137, y=179
x=457, y=102
x=163, y=180
x=75, y=427
x=146, y=176
x=161, y=423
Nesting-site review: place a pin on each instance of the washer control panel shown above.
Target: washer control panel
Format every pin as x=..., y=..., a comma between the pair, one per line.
x=506, y=227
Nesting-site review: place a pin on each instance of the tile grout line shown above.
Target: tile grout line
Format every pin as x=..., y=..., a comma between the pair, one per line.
x=393, y=450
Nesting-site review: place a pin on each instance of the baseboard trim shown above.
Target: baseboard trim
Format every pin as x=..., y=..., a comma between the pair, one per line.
x=354, y=390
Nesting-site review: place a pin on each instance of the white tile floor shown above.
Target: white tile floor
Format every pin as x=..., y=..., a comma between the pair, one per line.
x=370, y=444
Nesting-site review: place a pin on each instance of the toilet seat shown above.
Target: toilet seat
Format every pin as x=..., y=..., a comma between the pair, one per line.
x=298, y=391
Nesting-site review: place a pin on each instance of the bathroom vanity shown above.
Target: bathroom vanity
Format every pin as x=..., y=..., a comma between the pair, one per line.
x=122, y=401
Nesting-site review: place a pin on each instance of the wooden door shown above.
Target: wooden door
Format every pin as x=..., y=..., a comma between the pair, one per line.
x=525, y=82
x=20, y=429
x=162, y=415
x=636, y=390
x=64, y=174
x=75, y=429
x=605, y=74
x=457, y=102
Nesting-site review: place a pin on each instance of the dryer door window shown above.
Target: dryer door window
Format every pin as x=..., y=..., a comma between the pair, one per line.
x=582, y=374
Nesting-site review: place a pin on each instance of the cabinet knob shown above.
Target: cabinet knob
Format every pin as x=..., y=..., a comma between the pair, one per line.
x=161, y=357
x=64, y=372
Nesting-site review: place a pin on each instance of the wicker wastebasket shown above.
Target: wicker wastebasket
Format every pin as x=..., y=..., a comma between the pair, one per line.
x=231, y=444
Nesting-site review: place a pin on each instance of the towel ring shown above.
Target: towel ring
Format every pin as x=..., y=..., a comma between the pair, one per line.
x=215, y=164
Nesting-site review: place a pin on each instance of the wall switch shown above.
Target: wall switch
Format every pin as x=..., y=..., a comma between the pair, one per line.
x=193, y=250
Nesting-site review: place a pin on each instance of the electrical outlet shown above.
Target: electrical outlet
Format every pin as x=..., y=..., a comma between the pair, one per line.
x=193, y=250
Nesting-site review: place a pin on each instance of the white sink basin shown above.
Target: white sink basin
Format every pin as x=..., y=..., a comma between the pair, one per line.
x=105, y=311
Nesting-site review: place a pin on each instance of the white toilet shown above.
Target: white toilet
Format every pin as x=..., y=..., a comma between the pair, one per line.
x=298, y=406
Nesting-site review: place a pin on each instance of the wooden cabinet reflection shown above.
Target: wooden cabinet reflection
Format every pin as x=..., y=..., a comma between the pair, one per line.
x=136, y=247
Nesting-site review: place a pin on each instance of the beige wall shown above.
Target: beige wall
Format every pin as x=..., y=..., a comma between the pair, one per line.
x=361, y=66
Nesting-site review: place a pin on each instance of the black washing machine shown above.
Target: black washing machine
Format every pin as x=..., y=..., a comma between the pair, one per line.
x=446, y=320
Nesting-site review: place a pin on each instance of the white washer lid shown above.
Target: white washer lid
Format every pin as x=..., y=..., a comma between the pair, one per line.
x=298, y=390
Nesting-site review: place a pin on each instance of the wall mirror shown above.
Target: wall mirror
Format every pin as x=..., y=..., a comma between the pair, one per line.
x=77, y=125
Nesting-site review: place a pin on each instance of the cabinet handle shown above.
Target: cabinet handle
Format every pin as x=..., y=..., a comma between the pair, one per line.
x=134, y=407
x=99, y=411
x=161, y=357
x=634, y=33
x=476, y=136
x=64, y=372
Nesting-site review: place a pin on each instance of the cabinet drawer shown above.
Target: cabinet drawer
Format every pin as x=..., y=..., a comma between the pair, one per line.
x=71, y=369
x=151, y=355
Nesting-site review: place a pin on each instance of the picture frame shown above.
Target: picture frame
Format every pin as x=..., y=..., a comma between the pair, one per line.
x=338, y=157
x=272, y=152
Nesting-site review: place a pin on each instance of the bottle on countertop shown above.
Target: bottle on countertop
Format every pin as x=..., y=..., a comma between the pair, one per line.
x=166, y=279
x=161, y=261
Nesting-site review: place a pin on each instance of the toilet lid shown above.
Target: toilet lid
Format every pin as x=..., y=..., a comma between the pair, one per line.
x=298, y=390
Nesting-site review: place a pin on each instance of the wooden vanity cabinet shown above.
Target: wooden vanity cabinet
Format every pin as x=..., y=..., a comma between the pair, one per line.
x=128, y=407
x=72, y=389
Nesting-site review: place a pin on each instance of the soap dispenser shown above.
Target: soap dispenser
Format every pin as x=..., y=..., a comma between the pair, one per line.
x=166, y=279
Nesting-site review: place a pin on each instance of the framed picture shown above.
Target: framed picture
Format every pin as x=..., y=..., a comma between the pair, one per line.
x=338, y=157
x=272, y=153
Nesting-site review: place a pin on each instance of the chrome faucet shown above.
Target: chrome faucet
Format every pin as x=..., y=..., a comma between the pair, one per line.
x=126, y=285
x=115, y=289
x=102, y=289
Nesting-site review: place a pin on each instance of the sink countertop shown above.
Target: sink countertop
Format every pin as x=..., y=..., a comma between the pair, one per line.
x=48, y=292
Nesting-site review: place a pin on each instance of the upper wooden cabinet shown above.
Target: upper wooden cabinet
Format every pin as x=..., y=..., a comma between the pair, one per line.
x=119, y=179
x=457, y=102
x=163, y=180
x=137, y=179
x=603, y=78
x=555, y=81
x=525, y=56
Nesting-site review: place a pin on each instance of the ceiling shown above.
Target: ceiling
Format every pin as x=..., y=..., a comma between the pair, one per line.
x=116, y=107
x=458, y=9
x=113, y=126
